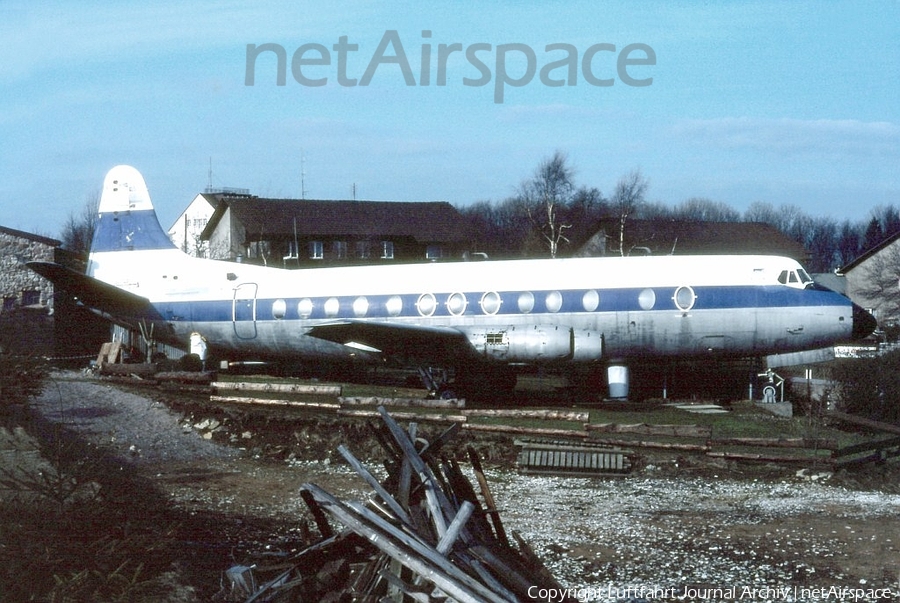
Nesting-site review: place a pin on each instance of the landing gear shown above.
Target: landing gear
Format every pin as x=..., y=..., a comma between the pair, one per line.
x=473, y=382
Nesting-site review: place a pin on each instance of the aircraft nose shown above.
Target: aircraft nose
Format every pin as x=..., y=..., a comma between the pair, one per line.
x=863, y=323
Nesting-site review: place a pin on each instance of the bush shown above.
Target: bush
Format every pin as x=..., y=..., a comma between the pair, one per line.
x=870, y=387
x=21, y=377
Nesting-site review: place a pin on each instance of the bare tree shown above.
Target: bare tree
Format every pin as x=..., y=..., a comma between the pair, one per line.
x=546, y=195
x=78, y=230
x=706, y=210
x=881, y=285
x=628, y=198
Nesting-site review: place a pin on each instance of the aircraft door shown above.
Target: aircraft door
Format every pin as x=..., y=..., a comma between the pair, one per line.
x=243, y=311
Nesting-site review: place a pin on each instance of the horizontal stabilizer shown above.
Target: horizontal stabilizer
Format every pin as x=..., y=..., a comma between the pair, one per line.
x=118, y=305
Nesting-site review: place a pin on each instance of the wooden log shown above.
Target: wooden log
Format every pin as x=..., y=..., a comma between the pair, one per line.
x=547, y=415
x=736, y=456
x=268, y=402
x=142, y=370
x=776, y=443
x=279, y=388
x=656, y=445
x=410, y=402
x=876, y=425
x=535, y=431
x=686, y=431
x=185, y=377
x=876, y=446
x=405, y=416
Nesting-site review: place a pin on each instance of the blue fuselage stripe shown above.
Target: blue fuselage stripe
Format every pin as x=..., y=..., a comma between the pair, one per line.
x=572, y=301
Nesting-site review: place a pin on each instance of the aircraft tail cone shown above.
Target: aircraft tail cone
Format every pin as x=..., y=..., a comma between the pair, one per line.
x=864, y=323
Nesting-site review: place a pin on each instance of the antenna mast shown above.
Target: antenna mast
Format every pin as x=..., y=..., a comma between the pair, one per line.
x=302, y=176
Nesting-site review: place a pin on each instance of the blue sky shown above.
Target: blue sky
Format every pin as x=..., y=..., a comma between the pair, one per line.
x=782, y=102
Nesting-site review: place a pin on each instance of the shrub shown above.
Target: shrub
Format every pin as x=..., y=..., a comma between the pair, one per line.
x=870, y=387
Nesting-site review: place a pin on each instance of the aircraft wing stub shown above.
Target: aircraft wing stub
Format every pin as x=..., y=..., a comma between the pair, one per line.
x=422, y=342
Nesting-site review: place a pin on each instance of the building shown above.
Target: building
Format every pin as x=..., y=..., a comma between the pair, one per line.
x=294, y=233
x=873, y=281
x=690, y=237
x=35, y=319
x=186, y=230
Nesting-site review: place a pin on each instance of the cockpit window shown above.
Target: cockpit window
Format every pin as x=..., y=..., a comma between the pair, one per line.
x=795, y=278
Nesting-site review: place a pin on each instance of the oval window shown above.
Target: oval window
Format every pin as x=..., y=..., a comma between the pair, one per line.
x=490, y=303
x=590, y=300
x=647, y=299
x=360, y=307
x=684, y=298
x=427, y=304
x=332, y=307
x=279, y=308
x=456, y=304
x=554, y=301
x=305, y=307
x=394, y=305
x=526, y=302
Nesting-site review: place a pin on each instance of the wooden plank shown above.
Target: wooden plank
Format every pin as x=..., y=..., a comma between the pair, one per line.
x=279, y=388
x=268, y=402
x=683, y=431
x=434, y=496
x=866, y=447
x=535, y=431
x=656, y=445
x=409, y=402
x=489, y=501
x=546, y=415
x=735, y=456
x=398, y=510
x=409, y=550
x=405, y=416
x=877, y=425
x=776, y=443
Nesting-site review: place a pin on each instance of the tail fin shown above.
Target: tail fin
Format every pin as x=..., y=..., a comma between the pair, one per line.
x=127, y=220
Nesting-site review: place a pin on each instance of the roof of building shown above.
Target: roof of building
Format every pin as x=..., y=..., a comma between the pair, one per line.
x=887, y=242
x=687, y=237
x=30, y=236
x=425, y=221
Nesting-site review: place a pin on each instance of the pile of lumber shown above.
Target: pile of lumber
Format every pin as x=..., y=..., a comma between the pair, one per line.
x=422, y=535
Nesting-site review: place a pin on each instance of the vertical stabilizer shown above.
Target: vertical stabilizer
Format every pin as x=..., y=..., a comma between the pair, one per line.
x=127, y=220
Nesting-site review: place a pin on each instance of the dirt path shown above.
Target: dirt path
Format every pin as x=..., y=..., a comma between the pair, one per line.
x=604, y=536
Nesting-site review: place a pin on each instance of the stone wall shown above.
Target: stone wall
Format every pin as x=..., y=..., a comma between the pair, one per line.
x=26, y=316
x=16, y=280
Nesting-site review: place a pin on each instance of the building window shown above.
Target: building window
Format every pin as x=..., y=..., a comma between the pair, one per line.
x=387, y=250
x=9, y=304
x=363, y=250
x=316, y=250
x=434, y=252
x=340, y=250
x=31, y=297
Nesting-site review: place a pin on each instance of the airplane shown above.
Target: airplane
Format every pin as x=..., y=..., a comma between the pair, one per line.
x=481, y=319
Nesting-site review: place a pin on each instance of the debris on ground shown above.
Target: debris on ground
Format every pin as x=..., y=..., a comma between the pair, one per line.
x=422, y=535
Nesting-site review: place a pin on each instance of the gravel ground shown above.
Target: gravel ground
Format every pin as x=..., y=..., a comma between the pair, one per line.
x=651, y=535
